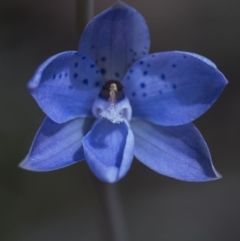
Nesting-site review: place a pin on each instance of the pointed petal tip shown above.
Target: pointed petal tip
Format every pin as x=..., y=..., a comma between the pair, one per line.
x=22, y=163
x=215, y=174
x=28, y=167
x=214, y=177
x=31, y=85
x=25, y=165
x=207, y=61
x=226, y=82
x=223, y=80
x=119, y=4
x=218, y=175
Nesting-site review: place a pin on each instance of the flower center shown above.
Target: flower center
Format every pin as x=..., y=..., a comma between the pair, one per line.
x=112, y=91
x=112, y=103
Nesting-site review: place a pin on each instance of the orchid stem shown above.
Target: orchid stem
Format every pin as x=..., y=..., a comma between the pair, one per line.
x=108, y=194
x=85, y=12
x=113, y=215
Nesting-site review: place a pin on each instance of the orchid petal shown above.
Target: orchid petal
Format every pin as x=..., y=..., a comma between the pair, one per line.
x=57, y=145
x=172, y=88
x=204, y=59
x=115, y=39
x=175, y=151
x=108, y=149
x=66, y=85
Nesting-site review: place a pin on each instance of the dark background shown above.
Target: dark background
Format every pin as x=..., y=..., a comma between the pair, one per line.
x=62, y=205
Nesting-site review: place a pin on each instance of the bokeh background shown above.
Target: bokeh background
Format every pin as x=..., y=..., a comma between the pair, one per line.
x=62, y=205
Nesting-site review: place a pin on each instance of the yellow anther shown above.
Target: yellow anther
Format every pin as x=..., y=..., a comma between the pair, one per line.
x=112, y=92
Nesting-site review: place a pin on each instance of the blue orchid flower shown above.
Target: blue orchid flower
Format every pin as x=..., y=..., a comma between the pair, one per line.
x=111, y=101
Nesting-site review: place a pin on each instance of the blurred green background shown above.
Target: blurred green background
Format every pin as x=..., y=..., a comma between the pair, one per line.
x=62, y=205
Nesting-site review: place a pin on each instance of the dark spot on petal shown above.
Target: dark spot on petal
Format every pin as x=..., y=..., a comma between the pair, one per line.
x=174, y=65
x=70, y=87
x=160, y=92
x=103, y=59
x=148, y=65
x=76, y=65
x=97, y=83
x=92, y=65
x=145, y=47
x=84, y=57
x=141, y=62
x=143, y=53
x=117, y=74
x=163, y=76
x=85, y=81
x=97, y=71
x=60, y=76
x=153, y=55
x=133, y=94
x=103, y=71
x=75, y=75
x=131, y=70
x=66, y=74
x=130, y=50
x=142, y=85
x=184, y=56
x=174, y=86
x=54, y=76
x=145, y=73
x=128, y=77
x=93, y=47
x=144, y=94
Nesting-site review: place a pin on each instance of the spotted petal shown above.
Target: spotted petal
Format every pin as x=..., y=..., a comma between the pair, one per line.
x=108, y=149
x=57, y=145
x=65, y=86
x=172, y=88
x=204, y=59
x=115, y=39
x=177, y=151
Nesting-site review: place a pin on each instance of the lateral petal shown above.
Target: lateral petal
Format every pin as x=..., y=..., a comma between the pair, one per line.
x=172, y=88
x=66, y=85
x=57, y=145
x=176, y=151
